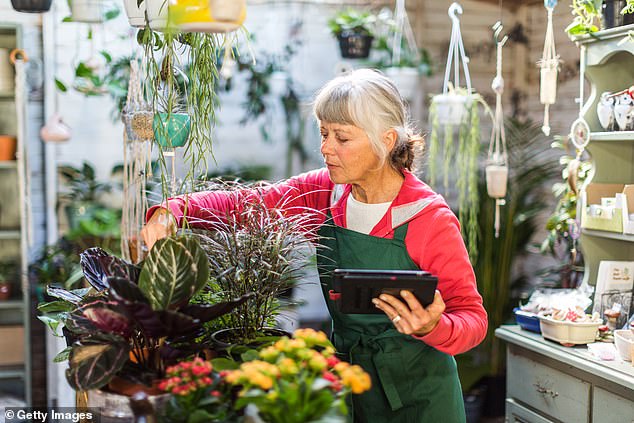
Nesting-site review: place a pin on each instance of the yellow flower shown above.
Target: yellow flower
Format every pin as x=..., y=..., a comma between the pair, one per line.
x=312, y=337
x=356, y=379
x=317, y=361
x=288, y=366
x=269, y=354
x=341, y=366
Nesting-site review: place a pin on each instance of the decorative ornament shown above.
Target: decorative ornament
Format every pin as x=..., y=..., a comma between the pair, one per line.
x=549, y=67
x=579, y=133
x=497, y=162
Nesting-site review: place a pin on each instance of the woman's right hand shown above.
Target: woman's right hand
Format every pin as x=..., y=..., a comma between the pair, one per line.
x=162, y=224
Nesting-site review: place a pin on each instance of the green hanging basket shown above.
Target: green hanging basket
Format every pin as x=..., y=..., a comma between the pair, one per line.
x=175, y=125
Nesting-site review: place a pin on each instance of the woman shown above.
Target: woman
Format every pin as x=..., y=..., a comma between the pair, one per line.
x=384, y=218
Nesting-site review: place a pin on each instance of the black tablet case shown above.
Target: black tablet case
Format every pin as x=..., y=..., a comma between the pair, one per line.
x=357, y=287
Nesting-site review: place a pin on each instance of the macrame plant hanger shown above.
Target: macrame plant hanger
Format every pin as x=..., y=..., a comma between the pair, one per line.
x=403, y=27
x=549, y=67
x=137, y=165
x=497, y=160
x=456, y=52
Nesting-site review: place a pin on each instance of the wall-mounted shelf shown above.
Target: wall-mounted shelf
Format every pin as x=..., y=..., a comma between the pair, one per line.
x=12, y=372
x=608, y=235
x=617, y=136
x=10, y=234
x=11, y=304
x=9, y=164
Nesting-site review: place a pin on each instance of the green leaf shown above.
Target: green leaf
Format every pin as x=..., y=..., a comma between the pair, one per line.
x=93, y=363
x=173, y=272
x=200, y=416
x=60, y=85
x=222, y=363
x=83, y=71
x=52, y=323
x=62, y=355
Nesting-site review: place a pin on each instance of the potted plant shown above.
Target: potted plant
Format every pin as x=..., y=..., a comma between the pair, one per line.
x=31, y=6
x=135, y=11
x=92, y=11
x=254, y=249
x=132, y=322
x=354, y=30
x=298, y=380
x=587, y=17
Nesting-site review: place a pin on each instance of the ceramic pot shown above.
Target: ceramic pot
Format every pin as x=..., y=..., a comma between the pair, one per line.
x=156, y=13
x=497, y=178
x=5, y=291
x=89, y=11
x=135, y=13
x=353, y=45
x=55, y=130
x=115, y=408
x=215, y=16
x=451, y=108
x=623, y=114
x=605, y=111
x=176, y=127
x=406, y=80
x=31, y=6
x=8, y=146
x=7, y=79
x=548, y=84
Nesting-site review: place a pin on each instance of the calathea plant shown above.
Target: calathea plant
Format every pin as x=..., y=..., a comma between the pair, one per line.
x=133, y=321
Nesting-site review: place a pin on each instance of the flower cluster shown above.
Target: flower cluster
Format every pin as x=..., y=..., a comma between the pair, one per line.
x=187, y=377
x=287, y=380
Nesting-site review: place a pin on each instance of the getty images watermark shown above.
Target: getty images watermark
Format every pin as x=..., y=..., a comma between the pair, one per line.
x=49, y=415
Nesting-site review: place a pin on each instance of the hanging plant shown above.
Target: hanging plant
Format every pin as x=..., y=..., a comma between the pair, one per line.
x=31, y=6
x=457, y=109
x=587, y=15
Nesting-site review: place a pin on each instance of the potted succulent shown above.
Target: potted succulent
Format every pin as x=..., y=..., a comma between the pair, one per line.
x=31, y=6
x=254, y=250
x=354, y=30
x=132, y=322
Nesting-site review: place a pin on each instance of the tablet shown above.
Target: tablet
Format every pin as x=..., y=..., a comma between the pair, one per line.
x=354, y=289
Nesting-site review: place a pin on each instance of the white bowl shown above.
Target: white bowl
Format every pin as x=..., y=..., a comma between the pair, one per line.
x=566, y=332
x=624, y=342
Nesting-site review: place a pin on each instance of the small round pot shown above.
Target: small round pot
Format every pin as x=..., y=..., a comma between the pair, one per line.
x=496, y=177
x=135, y=13
x=406, y=80
x=31, y=6
x=451, y=108
x=176, y=126
x=8, y=146
x=88, y=11
x=354, y=45
x=5, y=290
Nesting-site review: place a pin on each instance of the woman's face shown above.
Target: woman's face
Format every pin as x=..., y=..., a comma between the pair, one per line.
x=348, y=153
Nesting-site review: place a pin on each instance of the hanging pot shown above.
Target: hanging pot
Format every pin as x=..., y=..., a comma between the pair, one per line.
x=354, y=45
x=496, y=177
x=7, y=79
x=55, y=130
x=88, y=11
x=451, y=108
x=215, y=16
x=157, y=11
x=135, y=12
x=406, y=80
x=8, y=146
x=31, y=6
x=175, y=125
x=548, y=84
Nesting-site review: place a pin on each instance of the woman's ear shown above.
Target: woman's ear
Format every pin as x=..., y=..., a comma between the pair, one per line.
x=389, y=138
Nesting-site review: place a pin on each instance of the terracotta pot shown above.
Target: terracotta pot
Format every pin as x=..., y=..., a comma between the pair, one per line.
x=8, y=145
x=5, y=290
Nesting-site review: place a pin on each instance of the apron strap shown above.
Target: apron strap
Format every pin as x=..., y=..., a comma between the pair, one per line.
x=400, y=232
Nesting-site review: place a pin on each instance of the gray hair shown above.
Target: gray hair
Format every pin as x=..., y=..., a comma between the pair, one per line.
x=369, y=100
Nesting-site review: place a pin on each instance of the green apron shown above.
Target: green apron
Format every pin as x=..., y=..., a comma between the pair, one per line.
x=411, y=381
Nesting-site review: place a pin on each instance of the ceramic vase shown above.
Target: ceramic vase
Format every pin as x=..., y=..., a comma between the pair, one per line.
x=135, y=12
x=548, y=84
x=406, y=80
x=176, y=126
x=605, y=111
x=451, y=108
x=496, y=178
x=55, y=130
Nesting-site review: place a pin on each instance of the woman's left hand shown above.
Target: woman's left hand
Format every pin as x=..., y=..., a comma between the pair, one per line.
x=410, y=317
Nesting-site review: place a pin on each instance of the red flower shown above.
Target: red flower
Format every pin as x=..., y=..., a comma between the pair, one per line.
x=332, y=361
x=329, y=376
x=216, y=394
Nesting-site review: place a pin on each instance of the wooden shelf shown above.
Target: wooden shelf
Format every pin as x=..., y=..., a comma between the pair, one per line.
x=614, y=136
x=8, y=164
x=608, y=235
x=9, y=234
x=10, y=372
x=11, y=304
